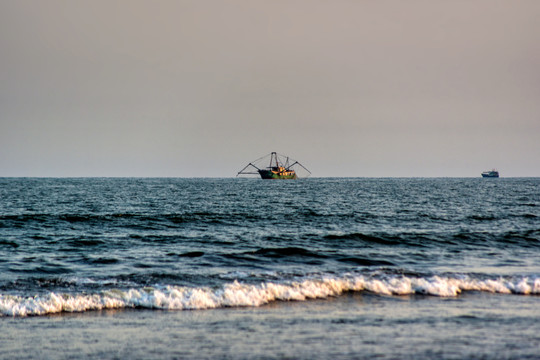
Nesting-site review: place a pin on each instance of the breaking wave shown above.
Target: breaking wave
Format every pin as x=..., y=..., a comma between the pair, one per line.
x=238, y=294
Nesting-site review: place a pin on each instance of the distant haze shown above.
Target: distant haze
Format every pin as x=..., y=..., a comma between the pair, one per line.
x=200, y=88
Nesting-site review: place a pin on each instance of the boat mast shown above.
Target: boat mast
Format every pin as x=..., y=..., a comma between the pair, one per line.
x=272, y=156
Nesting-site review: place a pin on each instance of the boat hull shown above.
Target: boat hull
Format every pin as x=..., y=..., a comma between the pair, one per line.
x=273, y=175
x=490, y=175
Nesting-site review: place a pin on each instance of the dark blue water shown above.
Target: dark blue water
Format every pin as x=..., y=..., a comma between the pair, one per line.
x=75, y=236
x=84, y=245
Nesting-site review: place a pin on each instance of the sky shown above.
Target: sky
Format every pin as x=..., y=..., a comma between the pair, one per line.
x=390, y=88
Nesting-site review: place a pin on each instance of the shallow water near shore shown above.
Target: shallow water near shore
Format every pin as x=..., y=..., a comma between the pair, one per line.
x=473, y=326
x=245, y=268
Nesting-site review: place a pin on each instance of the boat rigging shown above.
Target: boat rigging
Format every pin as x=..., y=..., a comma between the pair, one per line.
x=280, y=167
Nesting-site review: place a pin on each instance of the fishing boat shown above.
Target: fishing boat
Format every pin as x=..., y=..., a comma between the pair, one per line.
x=490, y=174
x=280, y=167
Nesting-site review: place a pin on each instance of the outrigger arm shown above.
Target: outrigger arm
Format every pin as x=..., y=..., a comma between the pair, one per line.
x=296, y=162
x=241, y=172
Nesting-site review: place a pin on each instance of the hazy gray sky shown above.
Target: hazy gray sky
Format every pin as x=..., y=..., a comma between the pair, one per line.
x=200, y=88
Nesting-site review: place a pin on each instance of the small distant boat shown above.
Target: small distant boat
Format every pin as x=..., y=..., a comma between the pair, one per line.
x=490, y=174
x=280, y=167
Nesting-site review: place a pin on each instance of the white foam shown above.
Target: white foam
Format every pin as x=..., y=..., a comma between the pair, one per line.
x=237, y=294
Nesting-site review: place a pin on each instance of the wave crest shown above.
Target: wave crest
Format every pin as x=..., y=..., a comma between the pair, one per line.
x=237, y=294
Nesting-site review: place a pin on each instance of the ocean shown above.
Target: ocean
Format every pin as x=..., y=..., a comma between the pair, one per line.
x=319, y=268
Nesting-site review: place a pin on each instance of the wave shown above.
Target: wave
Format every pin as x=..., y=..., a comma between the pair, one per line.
x=286, y=252
x=8, y=244
x=238, y=294
x=521, y=238
x=384, y=240
x=175, y=218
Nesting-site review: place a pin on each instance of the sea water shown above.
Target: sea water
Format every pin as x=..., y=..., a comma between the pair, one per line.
x=246, y=268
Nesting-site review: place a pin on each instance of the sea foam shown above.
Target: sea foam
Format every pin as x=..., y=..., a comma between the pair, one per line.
x=236, y=294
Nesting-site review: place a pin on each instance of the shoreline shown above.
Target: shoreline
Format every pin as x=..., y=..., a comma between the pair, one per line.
x=352, y=325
